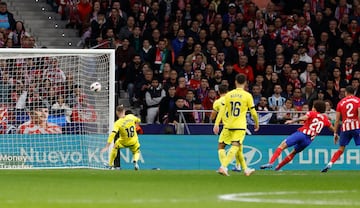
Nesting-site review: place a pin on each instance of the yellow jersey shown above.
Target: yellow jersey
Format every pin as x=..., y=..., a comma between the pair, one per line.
x=217, y=106
x=125, y=129
x=237, y=102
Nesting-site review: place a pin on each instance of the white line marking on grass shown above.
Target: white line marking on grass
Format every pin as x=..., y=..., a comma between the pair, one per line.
x=106, y=201
x=255, y=197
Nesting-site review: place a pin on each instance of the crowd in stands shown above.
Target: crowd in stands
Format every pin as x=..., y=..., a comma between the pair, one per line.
x=12, y=32
x=174, y=54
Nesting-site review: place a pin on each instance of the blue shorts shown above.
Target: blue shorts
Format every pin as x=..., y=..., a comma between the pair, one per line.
x=299, y=139
x=346, y=136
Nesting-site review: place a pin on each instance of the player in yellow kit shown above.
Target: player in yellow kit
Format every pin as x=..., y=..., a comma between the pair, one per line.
x=223, y=140
x=236, y=104
x=124, y=131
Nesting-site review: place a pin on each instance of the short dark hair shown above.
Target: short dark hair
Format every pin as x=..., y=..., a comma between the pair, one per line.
x=240, y=78
x=320, y=106
x=34, y=105
x=223, y=88
x=349, y=89
x=127, y=112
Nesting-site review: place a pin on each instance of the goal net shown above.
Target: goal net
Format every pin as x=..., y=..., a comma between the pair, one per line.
x=49, y=116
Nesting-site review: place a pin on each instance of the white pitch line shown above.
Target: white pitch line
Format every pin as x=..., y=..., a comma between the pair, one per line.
x=254, y=198
x=106, y=201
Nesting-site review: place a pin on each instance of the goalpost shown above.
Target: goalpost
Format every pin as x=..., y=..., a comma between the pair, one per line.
x=49, y=116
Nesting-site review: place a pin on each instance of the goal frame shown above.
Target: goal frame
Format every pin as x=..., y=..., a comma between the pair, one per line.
x=49, y=51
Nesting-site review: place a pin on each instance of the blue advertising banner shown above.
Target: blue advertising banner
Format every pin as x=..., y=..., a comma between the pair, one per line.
x=200, y=152
x=170, y=152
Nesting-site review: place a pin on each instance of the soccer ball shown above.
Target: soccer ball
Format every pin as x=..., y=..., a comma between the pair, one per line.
x=95, y=87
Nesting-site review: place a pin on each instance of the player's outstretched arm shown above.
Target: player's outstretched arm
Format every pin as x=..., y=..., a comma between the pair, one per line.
x=105, y=148
x=302, y=118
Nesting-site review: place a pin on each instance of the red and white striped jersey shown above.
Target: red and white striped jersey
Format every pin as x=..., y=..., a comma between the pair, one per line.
x=31, y=128
x=314, y=124
x=348, y=108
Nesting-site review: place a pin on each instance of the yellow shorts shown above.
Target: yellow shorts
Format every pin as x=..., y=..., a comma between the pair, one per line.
x=134, y=146
x=236, y=135
x=225, y=136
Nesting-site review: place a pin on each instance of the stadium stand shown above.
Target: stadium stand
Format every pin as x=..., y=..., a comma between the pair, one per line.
x=43, y=24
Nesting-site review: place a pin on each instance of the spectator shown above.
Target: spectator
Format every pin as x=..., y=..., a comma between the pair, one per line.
x=54, y=73
x=98, y=29
x=216, y=80
x=83, y=12
x=162, y=56
x=229, y=75
x=38, y=123
x=305, y=76
x=186, y=72
x=167, y=104
x=133, y=73
x=147, y=51
x=178, y=42
x=153, y=97
x=127, y=30
x=199, y=116
x=124, y=55
x=298, y=100
x=174, y=114
x=208, y=102
x=309, y=93
x=330, y=112
x=181, y=89
x=143, y=84
x=256, y=93
x=339, y=82
x=194, y=83
x=243, y=67
x=203, y=90
x=17, y=35
x=276, y=100
x=286, y=112
x=61, y=105
x=190, y=99
x=83, y=112
x=173, y=79
x=8, y=21
x=355, y=83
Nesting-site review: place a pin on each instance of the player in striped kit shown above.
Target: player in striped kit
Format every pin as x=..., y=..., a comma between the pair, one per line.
x=314, y=121
x=349, y=110
x=38, y=123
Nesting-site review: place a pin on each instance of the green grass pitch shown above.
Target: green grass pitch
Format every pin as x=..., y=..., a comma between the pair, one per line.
x=175, y=189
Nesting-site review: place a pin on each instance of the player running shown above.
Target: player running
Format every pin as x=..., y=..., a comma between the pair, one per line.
x=349, y=110
x=314, y=121
x=124, y=131
x=239, y=156
x=236, y=104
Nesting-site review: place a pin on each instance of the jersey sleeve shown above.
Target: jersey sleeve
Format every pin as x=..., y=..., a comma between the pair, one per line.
x=134, y=118
x=217, y=105
x=113, y=132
